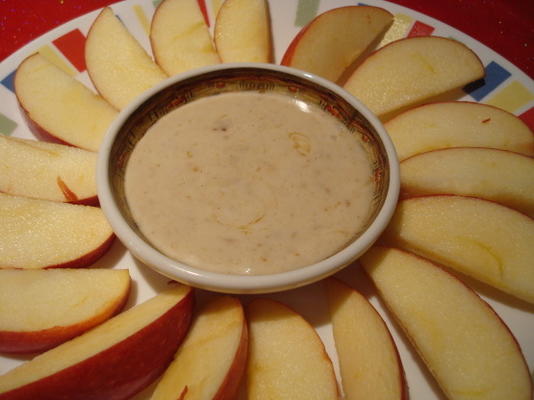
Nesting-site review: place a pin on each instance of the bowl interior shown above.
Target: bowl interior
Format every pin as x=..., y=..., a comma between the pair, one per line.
x=238, y=79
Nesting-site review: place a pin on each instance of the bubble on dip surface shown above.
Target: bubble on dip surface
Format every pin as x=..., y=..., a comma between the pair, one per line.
x=249, y=183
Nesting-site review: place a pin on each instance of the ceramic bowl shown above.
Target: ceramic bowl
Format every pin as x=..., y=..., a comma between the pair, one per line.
x=133, y=122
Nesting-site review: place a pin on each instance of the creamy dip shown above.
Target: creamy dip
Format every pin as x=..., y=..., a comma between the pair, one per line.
x=249, y=183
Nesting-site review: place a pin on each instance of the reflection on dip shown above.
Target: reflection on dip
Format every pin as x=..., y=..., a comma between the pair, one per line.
x=249, y=183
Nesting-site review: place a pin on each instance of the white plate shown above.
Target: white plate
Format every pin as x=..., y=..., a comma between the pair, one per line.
x=507, y=87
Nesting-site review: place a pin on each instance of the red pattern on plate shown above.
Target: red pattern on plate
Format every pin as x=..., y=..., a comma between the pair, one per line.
x=72, y=46
x=420, y=29
x=528, y=118
x=504, y=25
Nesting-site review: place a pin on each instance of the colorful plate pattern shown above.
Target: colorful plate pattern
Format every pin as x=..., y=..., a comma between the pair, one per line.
x=505, y=86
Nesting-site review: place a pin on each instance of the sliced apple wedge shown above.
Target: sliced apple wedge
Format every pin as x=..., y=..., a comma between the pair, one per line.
x=458, y=124
x=480, y=238
x=180, y=38
x=44, y=308
x=39, y=234
x=118, y=66
x=411, y=70
x=368, y=359
x=335, y=38
x=287, y=359
x=112, y=361
x=58, y=107
x=465, y=345
x=498, y=175
x=212, y=359
x=243, y=31
x=47, y=171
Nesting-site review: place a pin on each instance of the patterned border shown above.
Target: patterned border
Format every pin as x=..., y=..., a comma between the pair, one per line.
x=499, y=88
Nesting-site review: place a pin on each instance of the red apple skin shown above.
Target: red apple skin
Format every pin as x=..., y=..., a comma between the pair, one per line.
x=463, y=101
x=34, y=127
x=402, y=376
x=230, y=386
x=92, y=201
x=70, y=196
x=47, y=136
x=415, y=38
x=39, y=341
x=529, y=151
x=83, y=261
x=38, y=130
x=89, y=201
x=88, y=258
x=120, y=371
x=290, y=51
x=486, y=304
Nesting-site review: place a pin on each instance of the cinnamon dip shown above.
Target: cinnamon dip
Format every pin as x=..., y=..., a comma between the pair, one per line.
x=249, y=183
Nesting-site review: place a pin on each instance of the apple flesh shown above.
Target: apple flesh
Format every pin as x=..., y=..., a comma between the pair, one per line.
x=117, y=64
x=243, y=31
x=335, y=38
x=212, y=359
x=47, y=171
x=287, y=359
x=458, y=124
x=411, y=70
x=463, y=342
x=368, y=359
x=112, y=361
x=44, y=308
x=498, y=175
x=59, y=108
x=180, y=38
x=39, y=234
x=480, y=238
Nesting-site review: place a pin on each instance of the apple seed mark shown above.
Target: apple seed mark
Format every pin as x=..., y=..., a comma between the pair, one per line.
x=499, y=266
x=432, y=331
x=424, y=62
x=190, y=31
x=70, y=196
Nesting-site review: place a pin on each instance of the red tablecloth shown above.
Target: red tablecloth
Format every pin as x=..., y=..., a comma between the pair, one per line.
x=507, y=26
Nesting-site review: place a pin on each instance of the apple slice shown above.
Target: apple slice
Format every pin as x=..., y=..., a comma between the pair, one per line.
x=47, y=171
x=212, y=359
x=287, y=359
x=465, y=345
x=243, y=31
x=458, y=124
x=118, y=66
x=498, y=175
x=44, y=308
x=44, y=234
x=480, y=238
x=335, y=38
x=57, y=107
x=180, y=38
x=411, y=70
x=112, y=361
x=369, y=362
